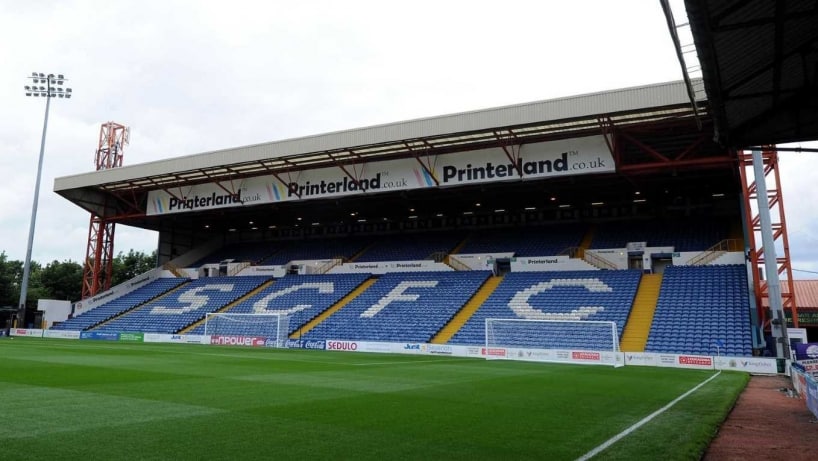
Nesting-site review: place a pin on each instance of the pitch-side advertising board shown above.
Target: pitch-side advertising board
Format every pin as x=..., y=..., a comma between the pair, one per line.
x=61, y=334
x=700, y=362
x=179, y=339
x=31, y=332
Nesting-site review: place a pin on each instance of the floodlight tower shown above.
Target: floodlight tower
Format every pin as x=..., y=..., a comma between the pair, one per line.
x=53, y=89
x=99, y=255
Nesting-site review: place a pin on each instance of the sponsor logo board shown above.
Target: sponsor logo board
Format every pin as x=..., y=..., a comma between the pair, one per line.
x=380, y=347
x=810, y=366
x=99, y=335
x=298, y=344
x=694, y=361
x=30, y=332
x=335, y=345
x=641, y=359
x=442, y=349
x=565, y=356
x=178, y=339
x=806, y=351
x=575, y=156
x=667, y=360
x=314, y=344
x=132, y=337
x=253, y=341
x=748, y=364
x=494, y=351
x=586, y=356
x=474, y=351
x=411, y=348
x=530, y=355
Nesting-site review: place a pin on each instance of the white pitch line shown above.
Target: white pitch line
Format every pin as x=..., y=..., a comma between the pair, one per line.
x=644, y=421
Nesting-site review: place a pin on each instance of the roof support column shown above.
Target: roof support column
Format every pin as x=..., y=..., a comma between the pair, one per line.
x=762, y=164
x=509, y=149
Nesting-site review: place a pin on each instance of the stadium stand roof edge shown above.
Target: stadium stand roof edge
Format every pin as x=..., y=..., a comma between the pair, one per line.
x=328, y=148
x=759, y=62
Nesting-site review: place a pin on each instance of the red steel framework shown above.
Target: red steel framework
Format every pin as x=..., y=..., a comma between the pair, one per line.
x=99, y=256
x=775, y=201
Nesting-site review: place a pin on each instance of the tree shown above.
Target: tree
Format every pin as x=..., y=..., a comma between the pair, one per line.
x=62, y=280
x=11, y=277
x=128, y=266
x=11, y=273
x=36, y=289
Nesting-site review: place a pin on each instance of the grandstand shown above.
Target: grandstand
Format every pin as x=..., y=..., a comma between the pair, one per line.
x=402, y=307
x=301, y=297
x=702, y=310
x=560, y=209
x=568, y=295
x=120, y=305
x=525, y=241
x=174, y=311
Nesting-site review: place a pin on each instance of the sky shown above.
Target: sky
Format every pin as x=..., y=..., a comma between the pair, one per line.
x=196, y=76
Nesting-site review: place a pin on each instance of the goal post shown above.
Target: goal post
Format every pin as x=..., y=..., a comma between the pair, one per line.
x=569, y=341
x=259, y=325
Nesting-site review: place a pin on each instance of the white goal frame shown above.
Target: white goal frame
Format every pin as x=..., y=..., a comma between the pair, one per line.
x=282, y=322
x=510, y=350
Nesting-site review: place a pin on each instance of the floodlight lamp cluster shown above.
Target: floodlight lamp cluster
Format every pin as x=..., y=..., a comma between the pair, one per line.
x=53, y=88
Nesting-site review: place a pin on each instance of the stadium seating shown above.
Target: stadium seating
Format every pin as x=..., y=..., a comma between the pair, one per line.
x=252, y=252
x=119, y=305
x=688, y=235
x=402, y=307
x=702, y=310
x=410, y=247
x=528, y=241
x=301, y=297
x=554, y=296
x=299, y=250
x=171, y=313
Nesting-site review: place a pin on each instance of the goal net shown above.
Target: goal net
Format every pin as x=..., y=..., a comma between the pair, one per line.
x=573, y=341
x=268, y=326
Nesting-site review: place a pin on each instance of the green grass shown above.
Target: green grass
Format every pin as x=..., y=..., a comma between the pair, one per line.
x=98, y=400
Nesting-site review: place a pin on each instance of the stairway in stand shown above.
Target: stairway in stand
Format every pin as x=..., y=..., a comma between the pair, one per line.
x=637, y=329
x=463, y=316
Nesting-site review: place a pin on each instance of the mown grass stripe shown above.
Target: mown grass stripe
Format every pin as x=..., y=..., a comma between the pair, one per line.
x=603, y=446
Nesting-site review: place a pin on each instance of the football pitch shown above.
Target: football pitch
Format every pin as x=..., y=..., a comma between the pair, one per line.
x=62, y=399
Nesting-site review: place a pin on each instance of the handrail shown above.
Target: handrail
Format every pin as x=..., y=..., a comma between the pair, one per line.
x=456, y=264
x=174, y=269
x=330, y=264
x=237, y=268
x=598, y=261
x=572, y=252
x=712, y=253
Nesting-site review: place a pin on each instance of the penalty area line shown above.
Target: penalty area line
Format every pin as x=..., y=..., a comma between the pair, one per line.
x=643, y=421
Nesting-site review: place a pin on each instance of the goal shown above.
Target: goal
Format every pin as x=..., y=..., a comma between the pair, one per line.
x=574, y=341
x=269, y=326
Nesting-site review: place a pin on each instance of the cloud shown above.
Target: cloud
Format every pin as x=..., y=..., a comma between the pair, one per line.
x=191, y=76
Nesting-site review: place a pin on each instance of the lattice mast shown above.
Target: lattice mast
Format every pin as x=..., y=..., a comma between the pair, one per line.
x=99, y=256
